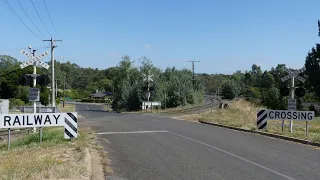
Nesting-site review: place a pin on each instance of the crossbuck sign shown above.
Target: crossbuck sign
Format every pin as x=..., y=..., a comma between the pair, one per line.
x=34, y=59
x=294, y=74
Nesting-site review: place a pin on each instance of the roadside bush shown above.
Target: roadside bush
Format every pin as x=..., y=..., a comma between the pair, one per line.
x=15, y=103
x=272, y=99
x=230, y=89
x=313, y=108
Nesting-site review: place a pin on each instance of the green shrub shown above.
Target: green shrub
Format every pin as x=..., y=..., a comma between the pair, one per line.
x=312, y=108
x=15, y=103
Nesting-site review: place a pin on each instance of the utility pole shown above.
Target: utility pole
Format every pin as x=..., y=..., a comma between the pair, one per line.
x=52, y=71
x=193, y=76
x=165, y=100
x=34, y=85
x=292, y=97
x=64, y=88
x=57, y=88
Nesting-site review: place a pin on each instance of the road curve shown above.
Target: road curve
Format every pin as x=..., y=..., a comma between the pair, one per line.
x=153, y=147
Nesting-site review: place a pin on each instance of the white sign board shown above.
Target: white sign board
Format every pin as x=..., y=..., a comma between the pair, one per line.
x=4, y=106
x=289, y=115
x=37, y=120
x=292, y=104
x=151, y=103
x=34, y=94
x=32, y=120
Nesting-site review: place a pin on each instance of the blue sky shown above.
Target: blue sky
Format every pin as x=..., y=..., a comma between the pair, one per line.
x=225, y=35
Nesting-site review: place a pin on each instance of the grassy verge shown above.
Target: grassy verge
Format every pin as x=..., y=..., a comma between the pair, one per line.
x=66, y=108
x=55, y=158
x=242, y=114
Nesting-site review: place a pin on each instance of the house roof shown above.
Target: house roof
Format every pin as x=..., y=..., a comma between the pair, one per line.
x=101, y=94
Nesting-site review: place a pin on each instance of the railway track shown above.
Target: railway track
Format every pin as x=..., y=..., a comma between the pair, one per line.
x=211, y=102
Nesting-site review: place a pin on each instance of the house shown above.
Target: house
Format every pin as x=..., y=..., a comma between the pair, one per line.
x=101, y=95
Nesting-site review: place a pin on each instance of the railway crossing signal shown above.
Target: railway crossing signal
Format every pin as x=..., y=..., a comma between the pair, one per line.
x=300, y=91
x=148, y=78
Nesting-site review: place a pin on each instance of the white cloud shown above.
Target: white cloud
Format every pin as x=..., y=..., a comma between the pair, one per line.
x=147, y=46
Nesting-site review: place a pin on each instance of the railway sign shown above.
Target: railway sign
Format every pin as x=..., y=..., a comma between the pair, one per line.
x=31, y=120
x=34, y=94
x=34, y=59
x=68, y=120
x=294, y=74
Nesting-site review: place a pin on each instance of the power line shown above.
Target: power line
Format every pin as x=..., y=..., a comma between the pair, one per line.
x=50, y=17
x=40, y=18
x=29, y=18
x=21, y=20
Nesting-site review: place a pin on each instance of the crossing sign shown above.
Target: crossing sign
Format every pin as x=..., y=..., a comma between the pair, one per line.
x=34, y=59
x=294, y=74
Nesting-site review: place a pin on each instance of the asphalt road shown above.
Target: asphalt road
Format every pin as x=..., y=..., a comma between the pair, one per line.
x=150, y=147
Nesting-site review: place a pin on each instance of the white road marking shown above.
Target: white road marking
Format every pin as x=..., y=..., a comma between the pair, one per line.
x=236, y=156
x=132, y=132
x=87, y=108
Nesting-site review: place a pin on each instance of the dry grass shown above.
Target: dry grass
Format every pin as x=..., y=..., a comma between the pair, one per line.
x=242, y=114
x=67, y=108
x=55, y=158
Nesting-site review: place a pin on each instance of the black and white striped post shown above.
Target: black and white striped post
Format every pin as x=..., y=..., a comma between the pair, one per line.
x=71, y=125
x=262, y=119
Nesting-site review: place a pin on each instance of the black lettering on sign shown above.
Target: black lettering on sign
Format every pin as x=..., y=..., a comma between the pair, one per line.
x=56, y=118
x=303, y=115
x=310, y=115
x=271, y=117
x=38, y=119
x=283, y=115
x=277, y=115
x=7, y=120
x=295, y=115
x=47, y=120
x=28, y=121
x=23, y=117
x=289, y=115
x=16, y=120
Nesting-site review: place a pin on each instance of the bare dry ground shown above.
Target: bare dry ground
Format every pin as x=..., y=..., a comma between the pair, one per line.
x=55, y=158
x=243, y=114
